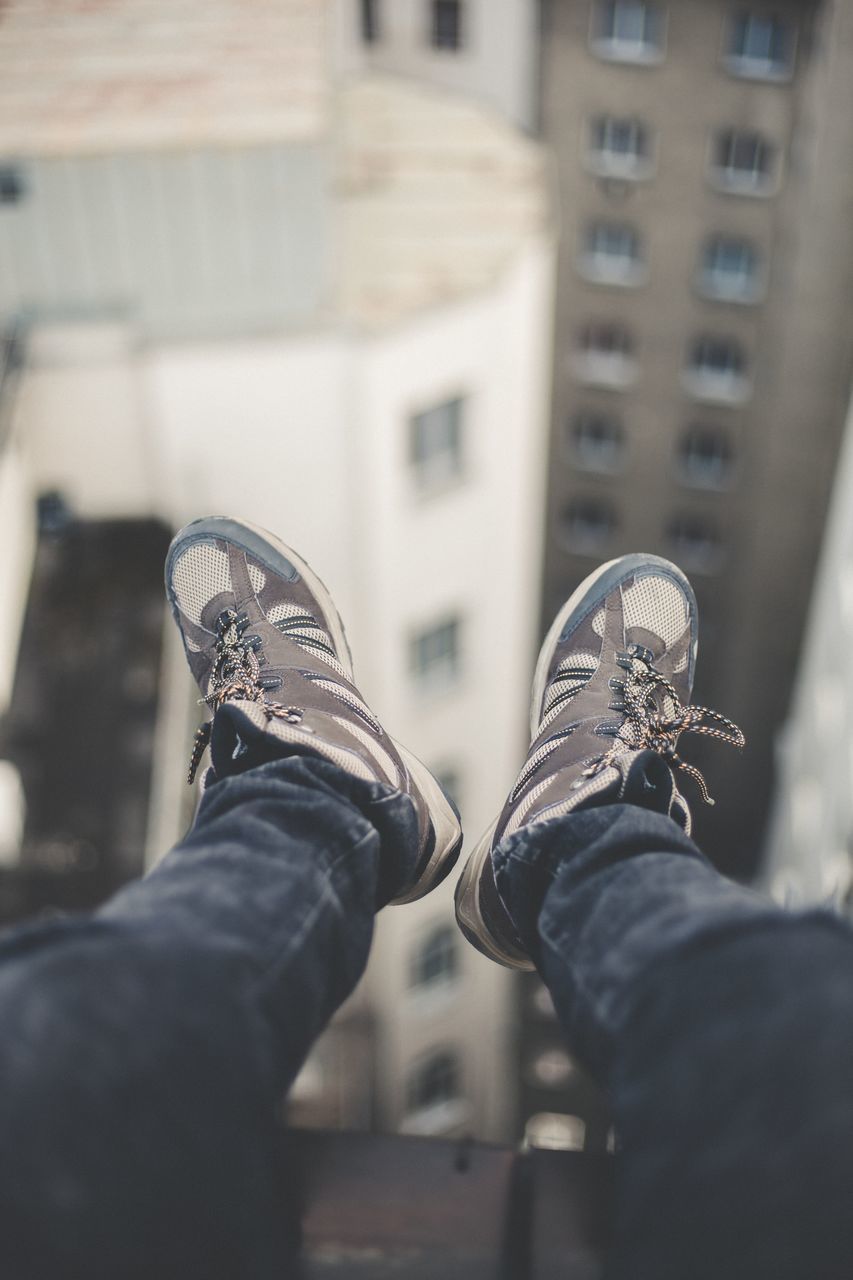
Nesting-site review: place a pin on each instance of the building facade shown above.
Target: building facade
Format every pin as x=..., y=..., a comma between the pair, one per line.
x=485, y=50
x=325, y=307
x=809, y=852
x=702, y=351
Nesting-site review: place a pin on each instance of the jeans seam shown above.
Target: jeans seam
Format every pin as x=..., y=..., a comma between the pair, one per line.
x=294, y=943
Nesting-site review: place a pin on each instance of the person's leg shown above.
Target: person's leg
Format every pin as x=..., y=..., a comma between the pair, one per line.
x=145, y=1047
x=722, y=1030
x=721, y=1027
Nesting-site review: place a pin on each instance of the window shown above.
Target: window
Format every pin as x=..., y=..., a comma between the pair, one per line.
x=434, y=654
x=729, y=270
x=433, y=1080
x=611, y=254
x=435, y=444
x=628, y=31
x=11, y=184
x=605, y=355
x=446, y=24
x=370, y=32
x=743, y=161
x=706, y=458
x=759, y=45
x=619, y=147
x=596, y=441
x=587, y=525
x=695, y=543
x=436, y=959
x=717, y=370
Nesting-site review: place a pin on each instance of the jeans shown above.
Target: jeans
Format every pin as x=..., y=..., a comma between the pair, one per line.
x=145, y=1047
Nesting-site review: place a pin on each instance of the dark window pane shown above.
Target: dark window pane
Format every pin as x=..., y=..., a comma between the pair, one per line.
x=729, y=267
x=433, y=1081
x=370, y=32
x=706, y=457
x=607, y=339
x=695, y=542
x=11, y=184
x=587, y=525
x=718, y=356
x=596, y=441
x=435, y=442
x=436, y=958
x=434, y=652
x=447, y=24
x=761, y=39
x=630, y=22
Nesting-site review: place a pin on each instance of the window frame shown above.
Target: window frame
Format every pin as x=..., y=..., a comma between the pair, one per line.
x=437, y=675
x=748, y=68
x=717, y=387
x=710, y=563
x=626, y=272
x=732, y=181
x=370, y=22
x=621, y=166
x=437, y=470
x=440, y=46
x=594, y=546
x=573, y=450
x=444, y=977
x=416, y=1104
x=13, y=187
x=635, y=53
x=726, y=480
x=601, y=367
x=704, y=277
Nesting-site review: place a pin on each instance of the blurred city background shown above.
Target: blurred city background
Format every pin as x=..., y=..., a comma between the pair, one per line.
x=459, y=297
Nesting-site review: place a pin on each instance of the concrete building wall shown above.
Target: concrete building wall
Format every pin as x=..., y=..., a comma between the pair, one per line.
x=809, y=852
x=783, y=426
x=309, y=436
x=186, y=242
x=17, y=537
x=468, y=549
x=496, y=61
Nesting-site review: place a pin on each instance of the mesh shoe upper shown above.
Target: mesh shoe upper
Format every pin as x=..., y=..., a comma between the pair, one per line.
x=613, y=680
x=636, y=614
x=260, y=632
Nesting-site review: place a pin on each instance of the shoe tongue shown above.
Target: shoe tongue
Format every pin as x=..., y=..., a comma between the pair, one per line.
x=648, y=783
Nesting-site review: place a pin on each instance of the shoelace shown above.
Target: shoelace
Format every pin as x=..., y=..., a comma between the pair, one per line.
x=658, y=727
x=237, y=674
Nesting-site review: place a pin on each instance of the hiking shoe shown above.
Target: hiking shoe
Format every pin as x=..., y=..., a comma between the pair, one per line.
x=610, y=696
x=262, y=635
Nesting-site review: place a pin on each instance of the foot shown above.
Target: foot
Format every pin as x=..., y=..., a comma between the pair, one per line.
x=264, y=640
x=610, y=697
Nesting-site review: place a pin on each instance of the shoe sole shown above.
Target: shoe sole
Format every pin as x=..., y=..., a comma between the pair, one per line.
x=284, y=561
x=599, y=583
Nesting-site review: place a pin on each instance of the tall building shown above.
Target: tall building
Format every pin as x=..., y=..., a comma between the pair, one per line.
x=244, y=285
x=702, y=350
x=809, y=853
x=485, y=50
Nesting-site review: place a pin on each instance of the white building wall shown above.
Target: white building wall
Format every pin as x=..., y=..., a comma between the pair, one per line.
x=809, y=856
x=17, y=539
x=496, y=62
x=471, y=548
x=308, y=436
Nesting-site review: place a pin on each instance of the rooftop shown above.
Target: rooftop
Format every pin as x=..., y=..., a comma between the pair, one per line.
x=100, y=75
